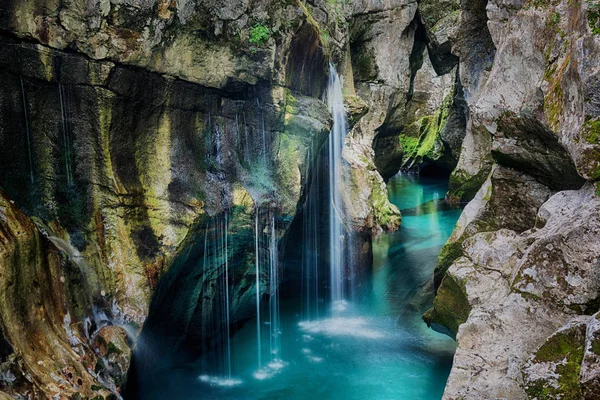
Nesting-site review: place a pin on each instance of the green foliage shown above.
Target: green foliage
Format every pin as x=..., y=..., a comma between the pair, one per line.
x=593, y=7
x=555, y=18
x=591, y=131
x=259, y=34
x=421, y=139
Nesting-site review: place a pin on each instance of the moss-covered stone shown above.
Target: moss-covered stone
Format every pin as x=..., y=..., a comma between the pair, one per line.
x=449, y=253
x=590, y=131
x=421, y=140
x=463, y=186
x=553, y=372
x=451, y=307
x=594, y=18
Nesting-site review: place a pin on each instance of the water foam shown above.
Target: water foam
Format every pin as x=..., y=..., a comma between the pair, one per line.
x=338, y=326
x=220, y=381
x=270, y=370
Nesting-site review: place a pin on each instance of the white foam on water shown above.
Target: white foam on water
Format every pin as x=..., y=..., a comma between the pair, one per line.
x=338, y=326
x=310, y=357
x=270, y=370
x=220, y=381
x=339, y=306
x=308, y=338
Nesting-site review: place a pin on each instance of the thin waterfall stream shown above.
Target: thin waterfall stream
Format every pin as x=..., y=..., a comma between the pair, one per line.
x=335, y=102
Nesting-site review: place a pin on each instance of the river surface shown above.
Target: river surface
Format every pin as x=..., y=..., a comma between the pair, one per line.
x=376, y=347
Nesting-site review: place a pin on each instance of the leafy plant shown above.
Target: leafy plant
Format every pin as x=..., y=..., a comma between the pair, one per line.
x=259, y=34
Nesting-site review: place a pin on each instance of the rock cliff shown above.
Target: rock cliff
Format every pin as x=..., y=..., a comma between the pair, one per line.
x=517, y=283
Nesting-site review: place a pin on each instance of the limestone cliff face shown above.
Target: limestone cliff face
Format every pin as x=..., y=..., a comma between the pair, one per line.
x=129, y=130
x=518, y=281
x=126, y=128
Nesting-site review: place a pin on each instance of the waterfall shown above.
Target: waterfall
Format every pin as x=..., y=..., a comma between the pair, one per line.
x=216, y=263
x=335, y=102
x=65, y=132
x=275, y=328
x=257, y=266
x=310, y=249
x=26, y=115
x=267, y=240
x=227, y=305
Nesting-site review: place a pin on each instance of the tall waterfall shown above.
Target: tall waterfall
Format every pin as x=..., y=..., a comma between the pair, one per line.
x=335, y=102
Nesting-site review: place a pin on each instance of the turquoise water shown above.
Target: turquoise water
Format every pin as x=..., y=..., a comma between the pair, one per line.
x=377, y=348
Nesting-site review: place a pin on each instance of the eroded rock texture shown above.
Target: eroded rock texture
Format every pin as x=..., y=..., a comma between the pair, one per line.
x=519, y=278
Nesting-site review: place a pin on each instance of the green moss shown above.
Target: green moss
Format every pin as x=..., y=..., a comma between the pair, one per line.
x=259, y=34
x=450, y=306
x=558, y=347
x=410, y=145
x=594, y=17
x=463, y=187
x=553, y=101
x=596, y=346
x=421, y=140
x=99, y=366
x=291, y=103
x=450, y=253
x=590, y=131
x=386, y=215
x=565, y=350
x=112, y=349
x=555, y=19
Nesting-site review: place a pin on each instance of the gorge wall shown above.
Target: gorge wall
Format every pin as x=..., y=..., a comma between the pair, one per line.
x=517, y=283
x=131, y=128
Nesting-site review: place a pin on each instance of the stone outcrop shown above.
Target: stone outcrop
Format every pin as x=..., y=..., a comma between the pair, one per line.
x=518, y=280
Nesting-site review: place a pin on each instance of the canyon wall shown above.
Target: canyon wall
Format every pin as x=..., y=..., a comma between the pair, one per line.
x=518, y=282
x=130, y=129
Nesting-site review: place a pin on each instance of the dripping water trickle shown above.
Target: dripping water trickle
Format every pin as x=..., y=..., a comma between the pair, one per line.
x=65, y=132
x=28, y=133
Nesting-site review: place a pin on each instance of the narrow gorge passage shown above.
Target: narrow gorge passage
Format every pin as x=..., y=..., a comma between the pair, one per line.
x=377, y=348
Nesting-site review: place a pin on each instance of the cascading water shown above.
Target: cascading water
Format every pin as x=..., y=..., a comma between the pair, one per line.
x=310, y=250
x=275, y=328
x=335, y=102
x=66, y=133
x=26, y=117
x=330, y=349
x=258, y=296
x=216, y=259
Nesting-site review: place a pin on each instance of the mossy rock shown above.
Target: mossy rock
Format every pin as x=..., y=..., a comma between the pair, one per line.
x=553, y=371
x=449, y=253
x=451, y=307
x=463, y=187
x=421, y=140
